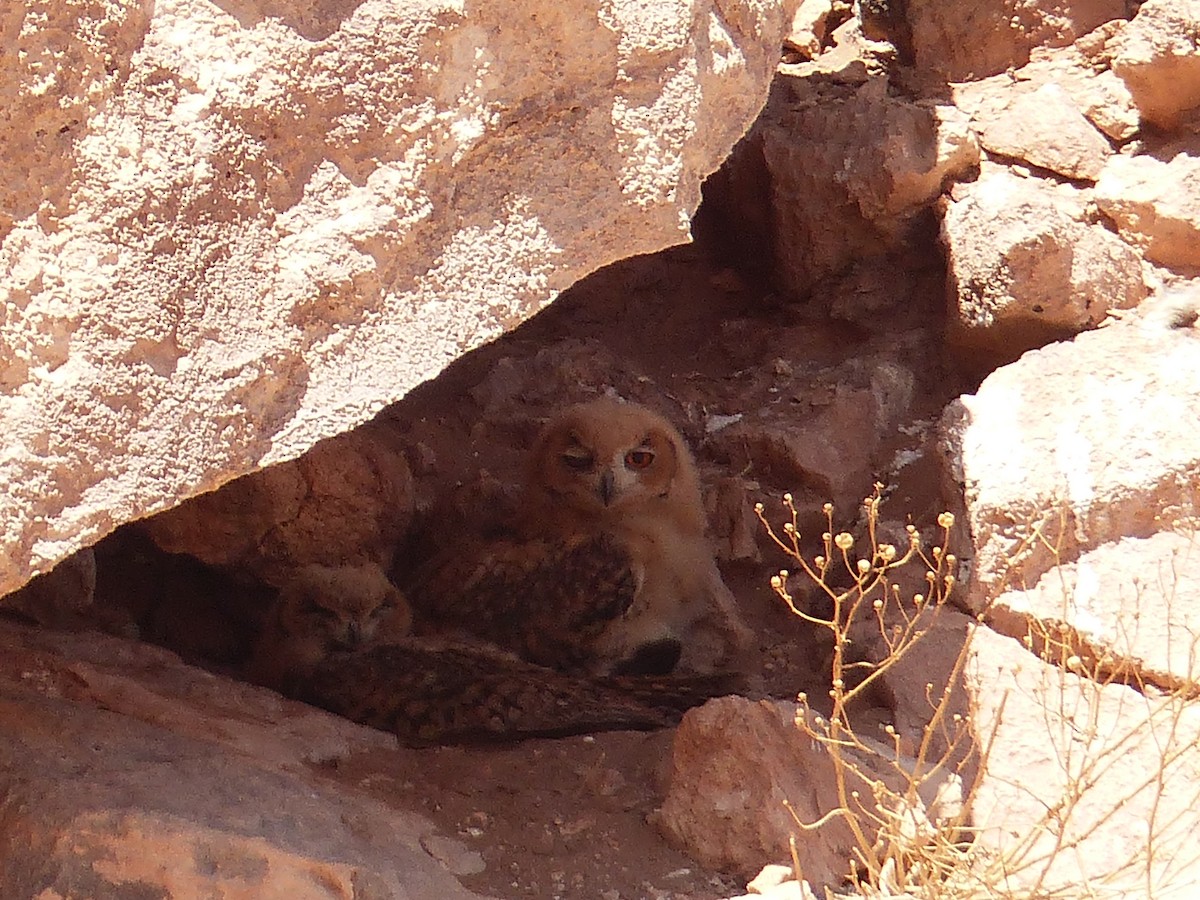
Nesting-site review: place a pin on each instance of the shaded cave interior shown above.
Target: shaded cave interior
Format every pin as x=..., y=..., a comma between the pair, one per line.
x=820, y=395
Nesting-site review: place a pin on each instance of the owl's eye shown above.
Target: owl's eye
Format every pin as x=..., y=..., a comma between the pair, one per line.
x=318, y=611
x=639, y=458
x=578, y=460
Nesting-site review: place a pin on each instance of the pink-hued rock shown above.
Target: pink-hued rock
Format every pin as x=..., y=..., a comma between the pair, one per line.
x=975, y=38
x=1085, y=783
x=128, y=774
x=1075, y=79
x=1155, y=205
x=228, y=233
x=348, y=499
x=849, y=166
x=1158, y=57
x=61, y=597
x=1045, y=128
x=734, y=764
x=1026, y=267
x=1137, y=599
x=1080, y=444
x=826, y=434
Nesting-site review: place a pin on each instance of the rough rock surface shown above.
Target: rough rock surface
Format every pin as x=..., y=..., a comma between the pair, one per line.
x=1080, y=464
x=1135, y=598
x=59, y=597
x=742, y=775
x=1046, y=128
x=1099, y=772
x=1155, y=204
x=229, y=234
x=1083, y=73
x=1027, y=267
x=127, y=774
x=977, y=38
x=348, y=499
x=822, y=448
x=1158, y=56
x=734, y=766
x=1082, y=443
x=866, y=163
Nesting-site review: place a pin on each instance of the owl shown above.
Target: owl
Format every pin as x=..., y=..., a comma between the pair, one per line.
x=430, y=690
x=608, y=570
x=323, y=610
x=338, y=637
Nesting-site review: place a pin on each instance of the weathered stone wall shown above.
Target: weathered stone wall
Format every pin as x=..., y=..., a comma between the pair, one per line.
x=1068, y=217
x=361, y=240
x=230, y=229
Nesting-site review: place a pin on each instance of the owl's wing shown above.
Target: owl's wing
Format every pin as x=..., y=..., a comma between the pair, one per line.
x=545, y=600
x=429, y=691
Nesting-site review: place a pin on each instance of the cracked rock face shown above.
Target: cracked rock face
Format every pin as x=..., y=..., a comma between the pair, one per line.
x=227, y=232
x=1158, y=58
x=142, y=792
x=230, y=231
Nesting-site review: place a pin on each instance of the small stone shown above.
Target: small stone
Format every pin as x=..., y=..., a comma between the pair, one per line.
x=771, y=876
x=452, y=853
x=1047, y=129
x=807, y=33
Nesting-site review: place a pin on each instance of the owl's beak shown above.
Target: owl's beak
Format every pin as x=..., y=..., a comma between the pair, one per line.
x=354, y=634
x=608, y=487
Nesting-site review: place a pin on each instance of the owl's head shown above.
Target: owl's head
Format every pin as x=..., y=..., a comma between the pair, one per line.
x=341, y=607
x=606, y=459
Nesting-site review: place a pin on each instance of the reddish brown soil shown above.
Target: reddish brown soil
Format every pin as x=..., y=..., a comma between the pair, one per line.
x=568, y=818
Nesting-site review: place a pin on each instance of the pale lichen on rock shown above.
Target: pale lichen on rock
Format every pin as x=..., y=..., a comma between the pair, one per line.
x=229, y=232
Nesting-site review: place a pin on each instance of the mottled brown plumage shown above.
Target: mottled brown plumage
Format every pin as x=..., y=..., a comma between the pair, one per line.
x=573, y=622
x=545, y=600
x=608, y=569
x=427, y=690
x=322, y=610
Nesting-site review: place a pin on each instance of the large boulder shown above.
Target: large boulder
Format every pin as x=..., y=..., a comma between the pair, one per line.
x=1080, y=444
x=1088, y=780
x=1158, y=58
x=128, y=774
x=229, y=232
x=1026, y=266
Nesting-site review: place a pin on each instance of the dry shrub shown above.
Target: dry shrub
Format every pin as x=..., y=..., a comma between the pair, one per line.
x=908, y=839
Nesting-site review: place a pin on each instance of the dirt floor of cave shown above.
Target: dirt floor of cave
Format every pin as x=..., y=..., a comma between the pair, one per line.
x=568, y=818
